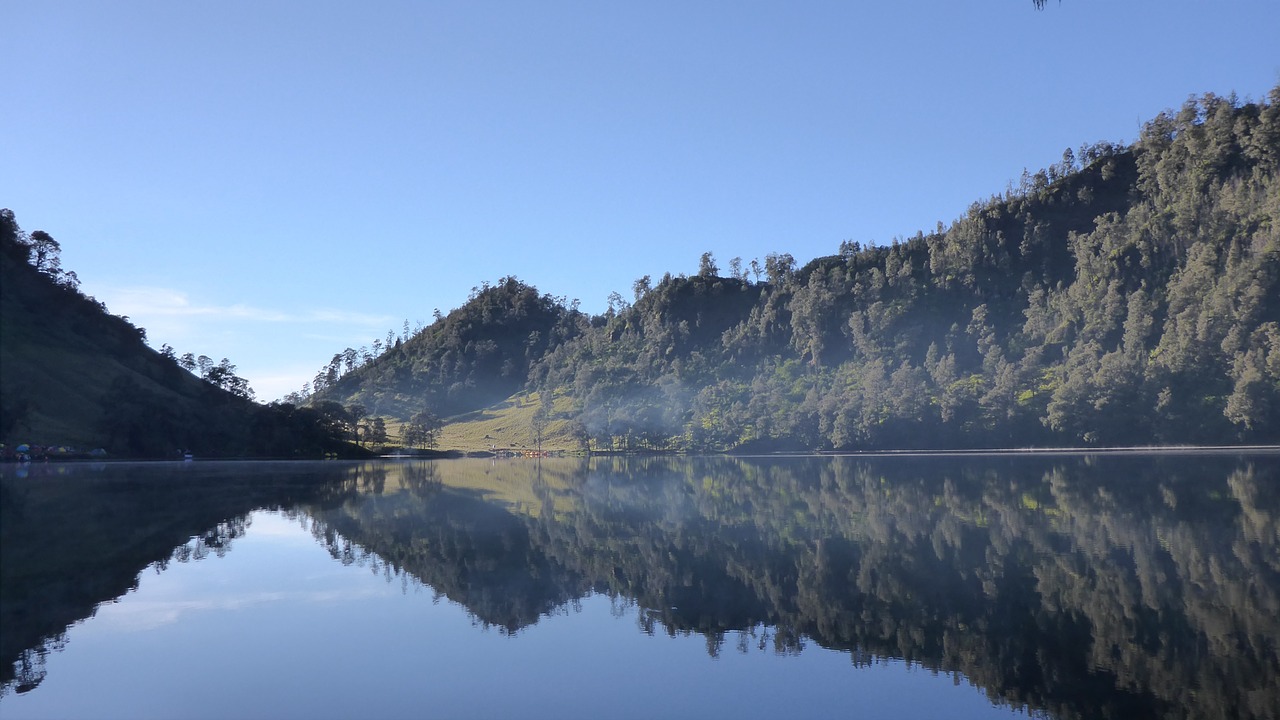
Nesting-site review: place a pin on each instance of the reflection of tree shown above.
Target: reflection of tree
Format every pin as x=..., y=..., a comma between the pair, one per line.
x=70, y=540
x=472, y=551
x=1114, y=587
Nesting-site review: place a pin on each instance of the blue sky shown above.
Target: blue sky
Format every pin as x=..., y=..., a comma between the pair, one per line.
x=275, y=181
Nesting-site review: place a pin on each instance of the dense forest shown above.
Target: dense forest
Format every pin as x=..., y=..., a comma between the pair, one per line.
x=72, y=374
x=1126, y=295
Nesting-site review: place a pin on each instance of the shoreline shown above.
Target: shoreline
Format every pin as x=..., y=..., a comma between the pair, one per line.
x=1265, y=450
x=1133, y=450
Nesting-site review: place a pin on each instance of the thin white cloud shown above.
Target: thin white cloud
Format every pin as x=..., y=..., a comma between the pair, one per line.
x=351, y=318
x=134, y=613
x=158, y=302
x=341, y=341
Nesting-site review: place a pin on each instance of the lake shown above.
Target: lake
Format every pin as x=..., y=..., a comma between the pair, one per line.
x=1062, y=586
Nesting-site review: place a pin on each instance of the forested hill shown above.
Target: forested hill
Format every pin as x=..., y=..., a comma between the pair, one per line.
x=477, y=355
x=72, y=374
x=1127, y=295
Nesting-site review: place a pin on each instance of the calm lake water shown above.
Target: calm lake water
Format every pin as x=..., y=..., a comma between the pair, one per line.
x=1067, y=586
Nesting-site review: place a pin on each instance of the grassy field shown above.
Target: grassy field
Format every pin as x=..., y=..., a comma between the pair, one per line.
x=505, y=426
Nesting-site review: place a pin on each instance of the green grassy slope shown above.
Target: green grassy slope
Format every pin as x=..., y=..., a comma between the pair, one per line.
x=506, y=425
x=61, y=356
x=72, y=374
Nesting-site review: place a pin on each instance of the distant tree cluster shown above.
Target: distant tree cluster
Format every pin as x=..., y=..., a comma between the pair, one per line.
x=221, y=375
x=38, y=249
x=422, y=430
x=350, y=360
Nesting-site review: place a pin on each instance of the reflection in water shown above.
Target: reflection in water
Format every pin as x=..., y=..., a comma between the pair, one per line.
x=1080, y=586
x=73, y=536
x=1093, y=587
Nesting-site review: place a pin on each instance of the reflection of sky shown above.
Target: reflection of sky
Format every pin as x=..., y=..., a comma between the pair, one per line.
x=277, y=628
x=184, y=590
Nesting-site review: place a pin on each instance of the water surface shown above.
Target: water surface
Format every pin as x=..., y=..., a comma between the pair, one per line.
x=1068, y=586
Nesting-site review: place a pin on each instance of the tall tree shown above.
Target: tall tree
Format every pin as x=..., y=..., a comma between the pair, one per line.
x=707, y=265
x=46, y=253
x=541, y=418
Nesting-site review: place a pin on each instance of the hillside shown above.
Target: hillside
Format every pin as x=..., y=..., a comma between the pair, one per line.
x=1127, y=295
x=72, y=374
x=477, y=355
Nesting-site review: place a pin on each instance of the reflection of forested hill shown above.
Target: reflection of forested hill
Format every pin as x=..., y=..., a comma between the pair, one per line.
x=473, y=551
x=1113, y=587
x=72, y=540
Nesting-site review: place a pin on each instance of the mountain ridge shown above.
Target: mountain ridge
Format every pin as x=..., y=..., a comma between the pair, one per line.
x=1126, y=295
